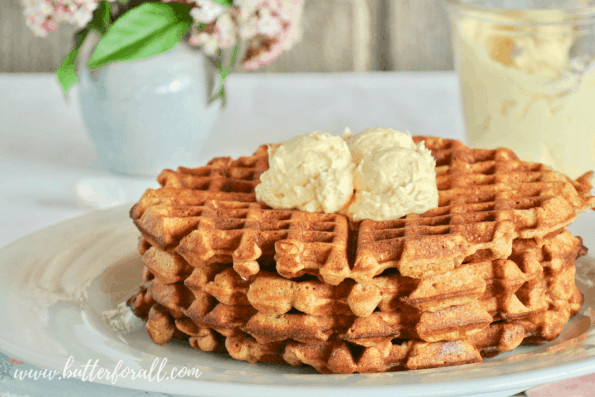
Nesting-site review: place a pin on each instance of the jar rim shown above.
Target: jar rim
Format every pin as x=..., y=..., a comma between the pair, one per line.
x=581, y=15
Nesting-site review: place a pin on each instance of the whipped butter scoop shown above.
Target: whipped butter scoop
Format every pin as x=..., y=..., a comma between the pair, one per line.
x=312, y=173
x=394, y=177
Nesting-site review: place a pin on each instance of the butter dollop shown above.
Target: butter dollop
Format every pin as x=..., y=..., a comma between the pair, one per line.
x=373, y=138
x=394, y=176
x=312, y=172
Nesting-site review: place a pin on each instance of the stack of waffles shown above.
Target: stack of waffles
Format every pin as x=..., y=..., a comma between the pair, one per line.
x=489, y=269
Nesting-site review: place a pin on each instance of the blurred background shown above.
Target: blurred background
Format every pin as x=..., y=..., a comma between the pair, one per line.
x=339, y=36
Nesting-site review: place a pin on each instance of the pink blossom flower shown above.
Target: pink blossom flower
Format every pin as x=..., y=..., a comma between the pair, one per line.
x=273, y=37
x=43, y=16
x=49, y=25
x=268, y=26
x=207, y=11
x=226, y=30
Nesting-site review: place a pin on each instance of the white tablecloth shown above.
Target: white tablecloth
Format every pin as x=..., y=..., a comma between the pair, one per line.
x=44, y=149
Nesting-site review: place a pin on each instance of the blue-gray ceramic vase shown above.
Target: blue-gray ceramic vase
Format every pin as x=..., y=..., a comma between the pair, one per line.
x=150, y=114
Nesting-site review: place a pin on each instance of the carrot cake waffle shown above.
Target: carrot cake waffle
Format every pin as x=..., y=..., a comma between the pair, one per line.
x=490, y=268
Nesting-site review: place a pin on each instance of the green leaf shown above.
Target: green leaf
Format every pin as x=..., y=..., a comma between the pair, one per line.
x=147, y=30
x=158, y=44
x=102, y=18
x=66, y=72
x=224, y=2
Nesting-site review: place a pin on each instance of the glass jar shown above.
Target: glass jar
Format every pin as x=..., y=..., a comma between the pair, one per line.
x=527, y=78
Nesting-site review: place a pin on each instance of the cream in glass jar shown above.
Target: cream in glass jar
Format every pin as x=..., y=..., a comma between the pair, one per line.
x=528, y=78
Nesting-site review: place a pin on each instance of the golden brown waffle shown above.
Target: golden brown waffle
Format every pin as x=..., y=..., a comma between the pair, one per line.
x=221, y=179
x=366, y=355
x=487, y=198
x=480, y=191
x=517, y=289
x=450, y=323
x=387, y=355
x=376, y=355
x=203, y=234
x=269, y=293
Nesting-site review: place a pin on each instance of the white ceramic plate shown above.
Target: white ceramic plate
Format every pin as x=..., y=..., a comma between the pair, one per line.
x=55, y=283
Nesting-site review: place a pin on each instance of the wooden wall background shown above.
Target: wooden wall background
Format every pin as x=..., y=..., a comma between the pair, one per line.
x=339, y=36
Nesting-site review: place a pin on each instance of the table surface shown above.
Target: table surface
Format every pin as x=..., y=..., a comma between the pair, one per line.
x=44, y=149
